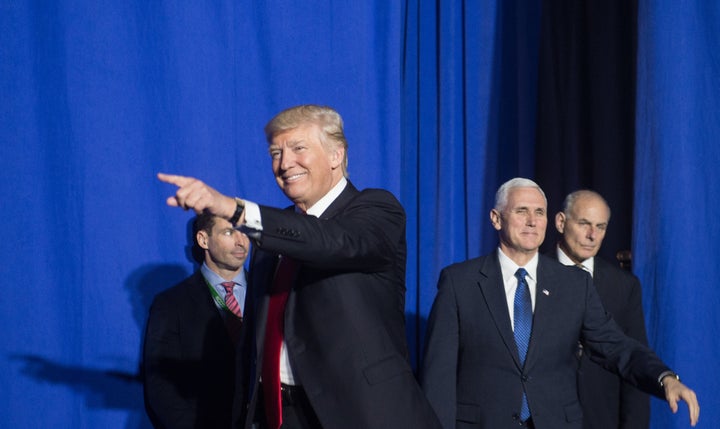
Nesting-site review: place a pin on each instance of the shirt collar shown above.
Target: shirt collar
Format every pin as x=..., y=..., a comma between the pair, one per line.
x=587, y=265
x=509, y=267
x=214, y=279
x=319, y=208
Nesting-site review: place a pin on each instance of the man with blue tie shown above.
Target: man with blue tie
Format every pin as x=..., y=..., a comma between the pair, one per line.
x=480, y=372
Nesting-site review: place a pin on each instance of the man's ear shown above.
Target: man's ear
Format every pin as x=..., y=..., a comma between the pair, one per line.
x=202, y=239
x=496, y=219
x=560, y=222
x=336, y=157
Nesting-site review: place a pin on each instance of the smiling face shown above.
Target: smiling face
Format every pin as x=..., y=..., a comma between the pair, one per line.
x=521, y=223
x=225, y=248
x=583, y=227
x=304, y=168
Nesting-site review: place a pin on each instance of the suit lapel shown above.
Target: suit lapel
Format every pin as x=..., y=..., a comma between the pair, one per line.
x=262, y=272
x=600, y=279
x=265, y=264
x=336, y=207
x=493, y=290
x=340, y=202
x=201, y=296
x=543, y=309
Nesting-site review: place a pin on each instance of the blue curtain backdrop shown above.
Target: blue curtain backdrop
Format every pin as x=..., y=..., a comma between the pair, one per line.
x=469, y=71
x=439, y=103
x=677, y=194
x=100, y=96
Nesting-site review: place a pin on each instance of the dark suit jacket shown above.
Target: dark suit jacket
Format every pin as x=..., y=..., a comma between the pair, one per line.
x=471, y=371
x=607, y=401
x=345, y=316
x=188, y=360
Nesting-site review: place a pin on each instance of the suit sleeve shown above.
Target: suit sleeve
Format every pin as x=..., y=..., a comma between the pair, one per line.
x=163, y=377
x=438, y=376
x=629, y=358
x=366, y=236
x=634, y=404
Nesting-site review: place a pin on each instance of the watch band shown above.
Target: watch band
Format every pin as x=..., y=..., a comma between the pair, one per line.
x=239, y=208
x=666, y=374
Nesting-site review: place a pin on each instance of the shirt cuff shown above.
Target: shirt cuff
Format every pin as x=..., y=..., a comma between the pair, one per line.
x=253, y=220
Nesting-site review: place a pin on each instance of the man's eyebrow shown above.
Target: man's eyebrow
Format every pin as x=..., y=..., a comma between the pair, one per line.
x=289, y=143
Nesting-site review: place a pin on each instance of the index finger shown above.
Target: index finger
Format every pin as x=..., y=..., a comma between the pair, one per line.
x=174, y=179
x=694, y=408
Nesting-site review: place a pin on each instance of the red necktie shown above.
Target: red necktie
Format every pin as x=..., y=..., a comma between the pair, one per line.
x=230, y=300
x=274, y=327
x=232, y=323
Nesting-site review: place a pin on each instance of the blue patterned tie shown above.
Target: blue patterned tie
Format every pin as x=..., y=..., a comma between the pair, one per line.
x=523, y=326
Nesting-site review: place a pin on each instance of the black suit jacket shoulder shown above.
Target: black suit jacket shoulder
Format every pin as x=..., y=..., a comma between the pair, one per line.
x=373, y=221
x=188, y=359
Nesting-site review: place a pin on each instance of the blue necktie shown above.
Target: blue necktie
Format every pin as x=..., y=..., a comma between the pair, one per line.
x=522, y=321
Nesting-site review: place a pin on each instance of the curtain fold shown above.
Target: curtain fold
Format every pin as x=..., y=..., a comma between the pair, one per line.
x=585, y=109
x=469, y=69
x=98, y=98
x=676, y=194
x=442, y=101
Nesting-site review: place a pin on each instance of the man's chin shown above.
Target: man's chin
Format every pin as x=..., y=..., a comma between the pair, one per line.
x=291, y=192
x=295, y=200
x=295, y=197
x=586, y=254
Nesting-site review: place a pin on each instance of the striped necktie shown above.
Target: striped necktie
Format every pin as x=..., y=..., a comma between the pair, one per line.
x=230, y=300
x=233, y=322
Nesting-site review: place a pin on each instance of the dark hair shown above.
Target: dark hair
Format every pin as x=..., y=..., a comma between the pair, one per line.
x=203, y=222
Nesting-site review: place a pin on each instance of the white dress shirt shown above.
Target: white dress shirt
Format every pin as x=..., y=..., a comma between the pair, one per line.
x=509, y=268
x=587, y=265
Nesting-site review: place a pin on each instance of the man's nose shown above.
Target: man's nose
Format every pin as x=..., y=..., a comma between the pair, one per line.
x=591, y=232
x=287, y=159
x=531, y=219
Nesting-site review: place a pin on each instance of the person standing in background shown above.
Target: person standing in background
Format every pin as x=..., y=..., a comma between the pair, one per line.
x=501, y=343
x=192, y=332
x=608, y=402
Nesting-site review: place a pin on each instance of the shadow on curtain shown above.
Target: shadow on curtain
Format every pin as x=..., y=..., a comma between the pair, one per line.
x=439, y=100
